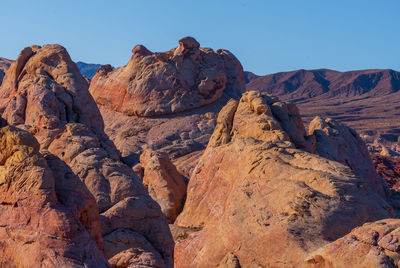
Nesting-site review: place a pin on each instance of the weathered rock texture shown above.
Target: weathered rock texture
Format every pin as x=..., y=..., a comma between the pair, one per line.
x=372, y=245
x=48, y=218
x=338, y=142
x=261, y=195
x=4, y=65
x=167, y=101
x=44, y=91
x=389, y=169
x=162, y=83
x=163, y=182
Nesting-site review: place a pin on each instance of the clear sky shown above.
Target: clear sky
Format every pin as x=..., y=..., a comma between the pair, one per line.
x=266, y=36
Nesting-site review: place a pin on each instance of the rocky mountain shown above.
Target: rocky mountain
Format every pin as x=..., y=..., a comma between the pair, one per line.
x=88, y=69
x=366, y=100
x=167, y=101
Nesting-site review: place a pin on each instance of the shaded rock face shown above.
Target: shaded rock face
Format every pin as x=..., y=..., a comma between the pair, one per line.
x=4, y=65
x=48, y=217
x=163, y=182
x=337, y=142
x=389, y=169
x=374, y=244
x=44, y=93
x=178, y=80
x=261, y=199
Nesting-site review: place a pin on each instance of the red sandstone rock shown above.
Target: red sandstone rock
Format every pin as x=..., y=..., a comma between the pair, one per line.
x=168, y=82
x=166, y=91
x=48, y=218
x=163, y=182
x=44, y=90
x=256, y=197
x=389, y=169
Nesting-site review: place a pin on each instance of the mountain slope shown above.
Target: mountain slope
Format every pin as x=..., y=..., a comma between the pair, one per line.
x=367, y=100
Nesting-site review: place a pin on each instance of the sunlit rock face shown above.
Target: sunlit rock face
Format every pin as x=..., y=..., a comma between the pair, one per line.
x=263, y=195
x=44, y=93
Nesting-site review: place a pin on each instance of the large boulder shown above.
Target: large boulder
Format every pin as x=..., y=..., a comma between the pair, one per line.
x=260, y=196
x=162, y=83
x=163, y=182
x=167, y=101
x=44, y=93
x=48, y=218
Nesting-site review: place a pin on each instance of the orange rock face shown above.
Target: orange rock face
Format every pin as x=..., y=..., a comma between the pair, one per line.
x=163, y=182
x=374, y=244
x=178, y=80
x=48, y=217
x=259, y=196
x=44, y=93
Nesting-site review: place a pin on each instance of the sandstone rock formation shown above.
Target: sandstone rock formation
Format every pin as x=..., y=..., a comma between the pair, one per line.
x=168, y=82
x=44, y=92
x=163, y=182
x=338, y=142
x=374, y=244
x=48, y=218
x=4, y=65
x=263, y=198
x=167, y=101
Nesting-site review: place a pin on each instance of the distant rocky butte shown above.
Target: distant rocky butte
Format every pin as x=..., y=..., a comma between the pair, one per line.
x=366, y=100
x=265, y=193
x=167, y=101
x=43, y=92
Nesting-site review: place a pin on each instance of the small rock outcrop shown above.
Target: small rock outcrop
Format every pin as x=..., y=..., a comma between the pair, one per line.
x=374, y=244
x=44, y=93
x=262, y=195
x=163, y=182
x=48, y=218
x=178, y=80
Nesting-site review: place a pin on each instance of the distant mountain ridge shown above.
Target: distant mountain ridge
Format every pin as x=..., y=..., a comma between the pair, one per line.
x=305, y=84
x=88, y=69
x=367, y=100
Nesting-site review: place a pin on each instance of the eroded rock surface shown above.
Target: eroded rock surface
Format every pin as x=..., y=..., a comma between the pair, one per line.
x=48, y=217
x=167, y=101
x=259, y=193
x=162, y=83
x=374, y=244
x=163, y=182
x=44, y=93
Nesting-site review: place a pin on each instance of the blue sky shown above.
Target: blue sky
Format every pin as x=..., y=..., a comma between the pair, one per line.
x=266, y=36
